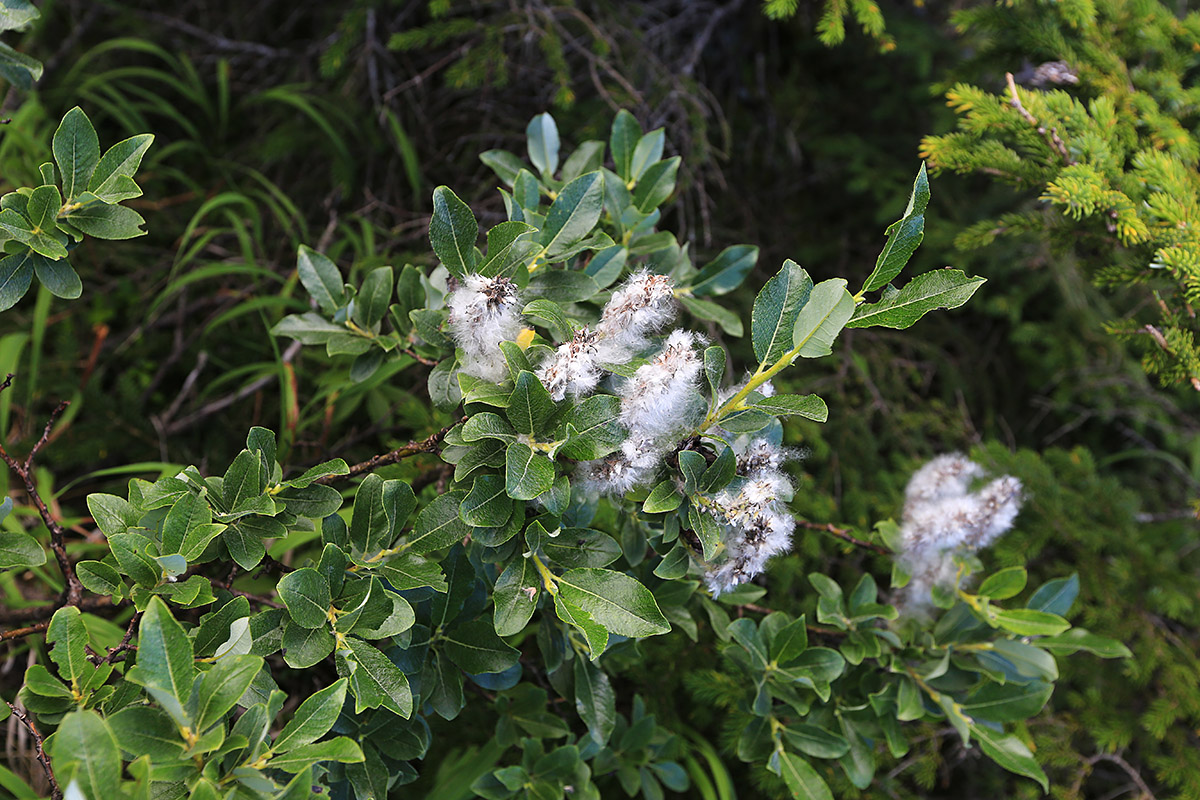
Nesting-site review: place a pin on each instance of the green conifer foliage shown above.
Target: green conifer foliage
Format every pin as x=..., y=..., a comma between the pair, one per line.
x=1105, y=129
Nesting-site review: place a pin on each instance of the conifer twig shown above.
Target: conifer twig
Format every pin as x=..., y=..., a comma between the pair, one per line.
x=1051, y=136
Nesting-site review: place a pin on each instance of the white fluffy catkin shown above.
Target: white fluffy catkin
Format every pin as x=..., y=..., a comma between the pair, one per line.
x=754, y=516
x=941, y=516
x=484, y=312
x=654, y=410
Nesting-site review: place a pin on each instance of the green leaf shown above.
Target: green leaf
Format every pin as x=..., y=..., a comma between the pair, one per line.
x=595, y=701
x=370, y=528
x=374, y=297
x=1081, y=639
x=341, y=749
x=789, y=642
x=374, y=680
x=305, y=647
x=186, y=513
x=486, y=425
x=69, y=638
x=43, y=207
x=16, y=275
x=313, y=718
x=1010, y=702
x=452, y=232
x=438, y=525
x=410, y=571
x=245, y=545
x=822, y=318
x=614, y=600
x=730, y=322
x=801, y=779
x=96, y=576
x=530, y=406
x=1011, y=753
x=112, y=181
x=1056, y=596
x=487, y=505
x=595, y=633
x=903, y=236
x=1027, y=622
x=561, y=286
x=477, y=649
x=808, y=406
x=59, y=277
x=132, y=553
x=305, y=592
x=588, y=156
x=86, y=745
x=323, y=470
x=573, y=214
x=145, y=730
x=242, y=481
x=581, y=547
x=222, y=686
x=815, y=741
x=506, y=165
x=543, y=144
x=515, y=596
x=774, y=316
x=77, y=151
x=19, y=69
x=595, y=428
x=623, y=140
x=656, y=185
x=943, y=288
x=663, y=497
x=607, y=265
x=1004, y=584
x=727, y=271
x=507, y=247
x=164, y=660
x=20, y=550
x=527, y=474
x=551, y=316
x=321, y=278
x=107, y=221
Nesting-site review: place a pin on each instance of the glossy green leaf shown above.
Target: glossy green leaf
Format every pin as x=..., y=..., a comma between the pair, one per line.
x=801, y=779
x=165, y=665
x=530, y=406
x=942, y=288
x=68, y=638
x=313, y=718
x=341, y=749
x=527, y=474
x=1004, y=584
x=515, y=596
x=77, y=151
x=775, y=308
x=221, y=687
x=85, y=745
x=439, y=525
x=306, y=594
x=614, y=600
x=822, y=318
x=374, y=680
x=573, y=214
x=903, y=236
x=476, y=648
x=452, y=232
x=1011, y=753
x=543, y=144
x=595, y=701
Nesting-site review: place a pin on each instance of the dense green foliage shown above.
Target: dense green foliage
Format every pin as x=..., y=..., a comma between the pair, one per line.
x=329, y=137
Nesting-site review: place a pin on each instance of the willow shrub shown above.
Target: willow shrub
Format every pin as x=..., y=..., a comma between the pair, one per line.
x=608, y=479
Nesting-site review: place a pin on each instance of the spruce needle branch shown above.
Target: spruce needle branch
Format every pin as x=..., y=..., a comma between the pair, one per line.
x=43, y=759
x=24, y=471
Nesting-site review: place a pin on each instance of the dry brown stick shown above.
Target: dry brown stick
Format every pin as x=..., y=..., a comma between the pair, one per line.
x=17, y=633
x=43, y=759
x=428, y=445
x=24, y=471
x=843, y=534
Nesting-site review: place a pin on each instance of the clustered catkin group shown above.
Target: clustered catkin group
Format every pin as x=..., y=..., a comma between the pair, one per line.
x=941, y=516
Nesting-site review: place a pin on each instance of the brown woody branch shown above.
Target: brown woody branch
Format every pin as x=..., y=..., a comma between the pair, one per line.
x=844, y=534
x=38, y=741
x=428, y=445
x=24, y=471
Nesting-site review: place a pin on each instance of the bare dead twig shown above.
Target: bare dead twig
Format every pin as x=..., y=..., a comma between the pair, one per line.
x=43, y=759
x=24, y=471
x=1051, y=136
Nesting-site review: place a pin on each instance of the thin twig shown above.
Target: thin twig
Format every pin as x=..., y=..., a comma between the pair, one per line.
x=55, y=792
x=428, y=445
x=843, y=534
x=1133, y=774
x=17, y=633
x=24, y=471
x=1051, y=136
x=36, y=613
